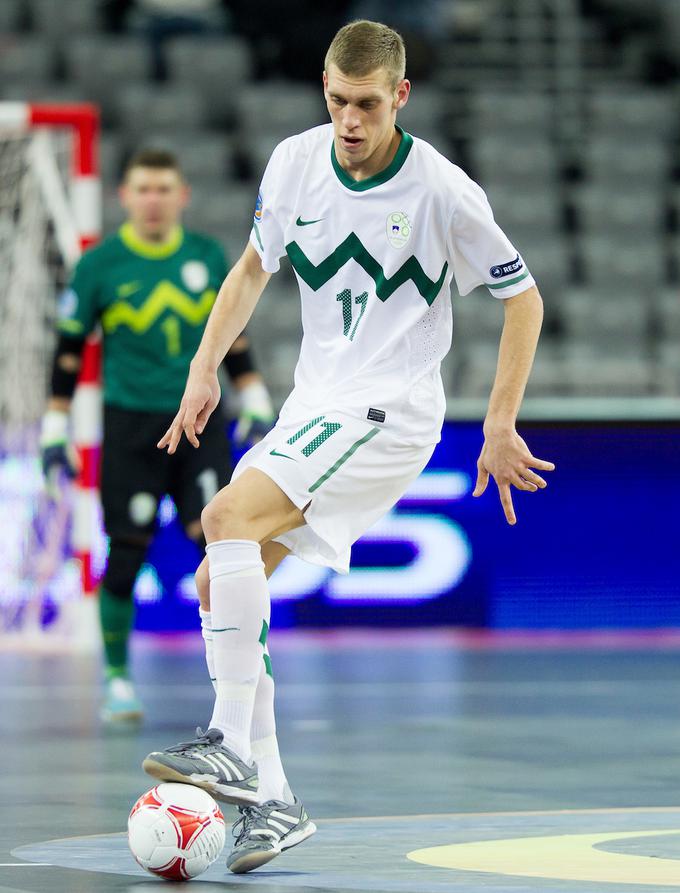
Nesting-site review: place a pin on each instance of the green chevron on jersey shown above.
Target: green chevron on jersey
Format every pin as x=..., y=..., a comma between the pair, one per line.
x=152, y=301
x=352, y=247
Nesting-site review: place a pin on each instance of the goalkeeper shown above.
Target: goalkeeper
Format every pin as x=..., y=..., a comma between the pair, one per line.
x=151, y=287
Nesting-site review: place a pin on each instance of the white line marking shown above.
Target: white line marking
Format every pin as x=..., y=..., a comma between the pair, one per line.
x=601, y=810
x=25, y=864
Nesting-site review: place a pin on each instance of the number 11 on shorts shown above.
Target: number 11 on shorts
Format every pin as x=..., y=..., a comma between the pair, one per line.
x=329, y=428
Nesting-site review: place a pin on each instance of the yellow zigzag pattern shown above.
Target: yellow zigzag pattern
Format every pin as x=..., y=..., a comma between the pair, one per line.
x=164, y=297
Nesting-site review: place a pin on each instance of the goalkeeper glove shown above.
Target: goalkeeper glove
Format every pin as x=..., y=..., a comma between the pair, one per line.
x=256, y=415
x=58, y=457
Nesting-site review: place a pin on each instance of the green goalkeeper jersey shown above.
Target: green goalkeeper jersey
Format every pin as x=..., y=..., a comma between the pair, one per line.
x=152, y=302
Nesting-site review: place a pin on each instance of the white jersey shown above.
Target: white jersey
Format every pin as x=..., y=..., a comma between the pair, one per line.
x=374, y=261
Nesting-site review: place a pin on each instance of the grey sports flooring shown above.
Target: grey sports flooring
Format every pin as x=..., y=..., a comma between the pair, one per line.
x=495, y=765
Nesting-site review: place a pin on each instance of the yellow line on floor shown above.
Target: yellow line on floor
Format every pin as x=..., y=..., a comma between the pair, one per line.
x=602, y=810
x=569, y=857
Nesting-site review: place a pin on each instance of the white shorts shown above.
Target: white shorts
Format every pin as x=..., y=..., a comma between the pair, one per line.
x=347, y=473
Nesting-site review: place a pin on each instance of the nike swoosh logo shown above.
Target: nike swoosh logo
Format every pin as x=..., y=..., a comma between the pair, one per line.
x=128, y=288
x=283, y=455
x=301, y=222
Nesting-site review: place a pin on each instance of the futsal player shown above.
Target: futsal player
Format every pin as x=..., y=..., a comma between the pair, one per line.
x=150, y=286
x=376, y=224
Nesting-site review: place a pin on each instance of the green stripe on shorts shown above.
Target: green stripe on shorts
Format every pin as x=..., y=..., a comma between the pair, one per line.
x=341, y=461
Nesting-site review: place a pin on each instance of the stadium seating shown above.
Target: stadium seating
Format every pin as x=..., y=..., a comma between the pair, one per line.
x=64, y=21
x=118, y=60
x=223, y=60
x=147, y=110
x=575, y=152
x=212, y=66
x=10, y=17
x=630, y=211
x=25, y=60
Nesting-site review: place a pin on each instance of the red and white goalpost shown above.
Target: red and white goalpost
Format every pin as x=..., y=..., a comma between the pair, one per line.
x=51, y=189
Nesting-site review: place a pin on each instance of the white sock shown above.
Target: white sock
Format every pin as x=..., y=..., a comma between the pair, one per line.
x=240, y=609
x=206, y=632
x=265, y=748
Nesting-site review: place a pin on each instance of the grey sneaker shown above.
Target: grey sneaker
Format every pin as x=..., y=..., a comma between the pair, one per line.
x=263, y=832
x=208, y=764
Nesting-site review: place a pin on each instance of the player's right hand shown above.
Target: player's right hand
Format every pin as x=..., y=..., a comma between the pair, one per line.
x=58, y=458
x=201, y=396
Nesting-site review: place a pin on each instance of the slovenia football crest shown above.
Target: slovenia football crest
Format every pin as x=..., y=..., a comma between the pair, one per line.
x=398, y=229
x=195, y=275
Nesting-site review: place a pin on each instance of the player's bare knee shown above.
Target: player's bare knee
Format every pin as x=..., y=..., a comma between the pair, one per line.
x=222, y=519
x=208, y=522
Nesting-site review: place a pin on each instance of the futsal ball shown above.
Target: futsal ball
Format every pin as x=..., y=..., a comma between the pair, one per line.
x=176, y=831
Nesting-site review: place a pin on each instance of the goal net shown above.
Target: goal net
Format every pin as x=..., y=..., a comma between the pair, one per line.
x=48, y=214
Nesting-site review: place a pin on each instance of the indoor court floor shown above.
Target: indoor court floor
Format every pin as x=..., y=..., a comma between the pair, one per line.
x=431, y=761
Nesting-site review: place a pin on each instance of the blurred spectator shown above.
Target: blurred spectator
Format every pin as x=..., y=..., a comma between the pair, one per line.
x=669, y=35
x=648, y=28
x=425, y=18
x=422, y=25
x=279, y=32
x=287, y=37
x=160, y=20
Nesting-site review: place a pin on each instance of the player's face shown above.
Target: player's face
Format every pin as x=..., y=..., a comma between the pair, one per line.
x=363, y=111
x=154, y=199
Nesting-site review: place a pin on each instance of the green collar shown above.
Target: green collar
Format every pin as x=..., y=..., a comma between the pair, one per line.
x=151, y=250
x=383, y=176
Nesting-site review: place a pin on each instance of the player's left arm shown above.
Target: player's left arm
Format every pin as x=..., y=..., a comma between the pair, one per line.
x=256, y=413
x=505, y=456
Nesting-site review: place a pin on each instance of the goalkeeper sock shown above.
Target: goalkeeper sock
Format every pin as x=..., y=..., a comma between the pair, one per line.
x=115, y=615
x=240, y=608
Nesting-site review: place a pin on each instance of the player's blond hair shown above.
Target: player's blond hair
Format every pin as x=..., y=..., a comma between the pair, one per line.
x=362, y=47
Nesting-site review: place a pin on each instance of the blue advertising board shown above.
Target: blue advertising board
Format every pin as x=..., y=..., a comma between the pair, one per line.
x=598, y=548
